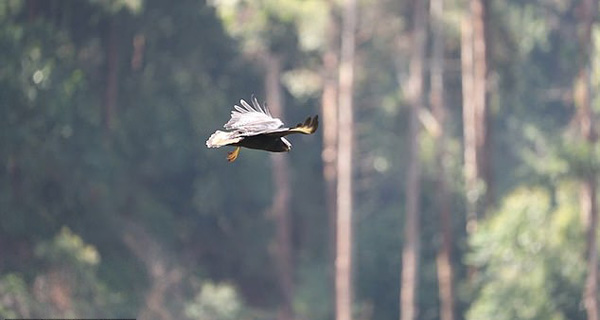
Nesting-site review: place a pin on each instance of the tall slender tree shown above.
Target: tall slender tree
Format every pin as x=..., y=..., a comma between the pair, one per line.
x=444, y=262
x=281, y=199
x=469, y=132
x=329, y=110
x=344, y=237
x=479, y=9
x=474, y=68
x=414, y=95
x=587, y=10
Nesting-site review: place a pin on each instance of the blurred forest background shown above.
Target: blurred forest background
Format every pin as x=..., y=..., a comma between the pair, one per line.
x=454, y=175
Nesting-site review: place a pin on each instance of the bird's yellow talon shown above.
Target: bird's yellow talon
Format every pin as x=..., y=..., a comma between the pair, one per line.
x=233, y=154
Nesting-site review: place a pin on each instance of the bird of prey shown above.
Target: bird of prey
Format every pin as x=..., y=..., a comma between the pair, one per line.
x=253, y=127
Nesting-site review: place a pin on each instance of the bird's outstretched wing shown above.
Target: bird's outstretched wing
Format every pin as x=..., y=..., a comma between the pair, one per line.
x=248, y=119
x=222, y=138
x=309, y=126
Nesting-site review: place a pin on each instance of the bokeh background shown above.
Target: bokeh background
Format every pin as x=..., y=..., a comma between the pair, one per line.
x=472, y=152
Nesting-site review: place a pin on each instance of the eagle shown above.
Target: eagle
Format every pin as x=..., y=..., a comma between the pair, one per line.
x=253, y=127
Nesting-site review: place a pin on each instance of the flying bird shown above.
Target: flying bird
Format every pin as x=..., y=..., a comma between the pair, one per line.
x=253, y=127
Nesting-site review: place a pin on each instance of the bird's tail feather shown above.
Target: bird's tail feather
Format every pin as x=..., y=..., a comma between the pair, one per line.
x=222, y=138
x=309, y=126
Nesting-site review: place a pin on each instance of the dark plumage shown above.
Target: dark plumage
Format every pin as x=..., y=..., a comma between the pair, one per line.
x=255, y=128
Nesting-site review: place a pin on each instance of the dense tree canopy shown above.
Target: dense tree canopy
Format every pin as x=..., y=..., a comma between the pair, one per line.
x=112, y=206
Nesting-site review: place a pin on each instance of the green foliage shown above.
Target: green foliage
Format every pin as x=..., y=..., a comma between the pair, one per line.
x=379, y=269
x=312, y=297
x=582, y=157
x=68, y=250
x=529, y=257
x=71, y=185
x=15, y=299
x=114, y=6
x=71, y=266
x=64, y=284
x=65, y=167
x=43, y=90
x=274, y=25
x=215, y=302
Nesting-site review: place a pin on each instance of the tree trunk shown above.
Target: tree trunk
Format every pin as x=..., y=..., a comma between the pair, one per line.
x=330, y=127
x=443, y=260
x=343, y=263
x=589, y=208
x=281, y=199
x=469, y=149
x=139, y=48
x=480, y=72
x=412, y=243
x=475, y=116
x=585, y=117
x=112, y=76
